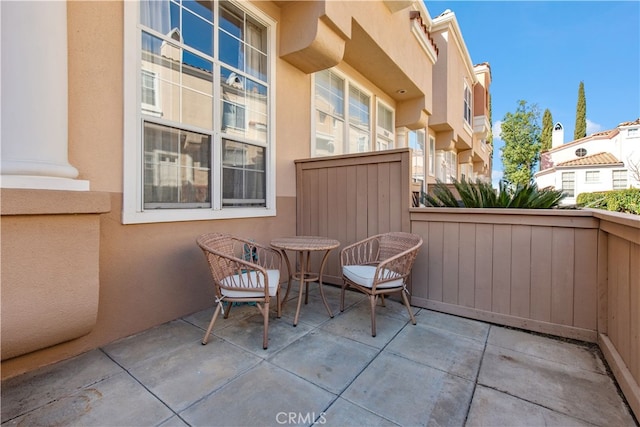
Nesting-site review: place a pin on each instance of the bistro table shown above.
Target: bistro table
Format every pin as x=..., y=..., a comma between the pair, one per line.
x=304, y=245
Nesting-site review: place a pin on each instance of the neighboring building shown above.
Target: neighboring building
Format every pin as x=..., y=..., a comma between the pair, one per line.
x=608, y=160
x=459, y=126
x=129, y=128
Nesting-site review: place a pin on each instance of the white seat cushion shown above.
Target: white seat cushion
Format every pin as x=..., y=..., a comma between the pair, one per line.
x=364, y=275
x=250, y=277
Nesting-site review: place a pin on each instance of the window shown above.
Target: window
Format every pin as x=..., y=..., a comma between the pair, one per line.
x=204, y=111
x=592, y=176
x=359, y=125
x=466, y=172
x=343, y=117
x=446, y=166
x=467, y=104
x=416, y=143
x=149, y=95
x=385, y=129
x=568, y=183
x=581, y=152
x=619, y=179
x=432, y=155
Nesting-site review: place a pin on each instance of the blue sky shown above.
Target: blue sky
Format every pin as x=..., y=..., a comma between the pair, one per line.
x=539, y=51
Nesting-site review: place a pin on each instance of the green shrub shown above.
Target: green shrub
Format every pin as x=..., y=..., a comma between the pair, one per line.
x=483, y=195
x=626, y=201
x=591, y=200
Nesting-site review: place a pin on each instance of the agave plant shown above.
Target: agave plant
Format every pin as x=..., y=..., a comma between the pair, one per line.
x=481, y=194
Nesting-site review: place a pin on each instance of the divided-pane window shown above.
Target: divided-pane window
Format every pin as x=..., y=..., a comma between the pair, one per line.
x=467, y=104
x=619, y=179
x=592, y=176
x=568, y=183
x=385, y=133
x=203, y=147
x=359, y=123
x=416, y=143
x=343, y=118
x=432, y=155
x=446, y=166
x=330, y=116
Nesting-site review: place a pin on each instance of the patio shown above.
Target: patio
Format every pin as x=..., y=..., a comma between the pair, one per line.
x=446, y=370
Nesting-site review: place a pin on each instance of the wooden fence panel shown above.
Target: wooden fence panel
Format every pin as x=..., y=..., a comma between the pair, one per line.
x=351, y=197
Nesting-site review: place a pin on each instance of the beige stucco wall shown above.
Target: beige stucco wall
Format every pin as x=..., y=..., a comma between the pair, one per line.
x=450, y=73
x=148, y=274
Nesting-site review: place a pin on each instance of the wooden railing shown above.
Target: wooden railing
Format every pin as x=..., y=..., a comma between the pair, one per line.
x=570, y=273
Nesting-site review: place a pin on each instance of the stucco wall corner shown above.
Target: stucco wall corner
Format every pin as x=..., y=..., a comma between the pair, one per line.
x=49, y=267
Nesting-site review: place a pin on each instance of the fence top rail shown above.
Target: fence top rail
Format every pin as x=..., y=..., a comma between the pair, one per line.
x=617, y=217
x=508, y=211
x=540, y=217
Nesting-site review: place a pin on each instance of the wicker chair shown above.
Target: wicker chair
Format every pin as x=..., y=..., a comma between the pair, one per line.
x=243, y=271
x=380, y=265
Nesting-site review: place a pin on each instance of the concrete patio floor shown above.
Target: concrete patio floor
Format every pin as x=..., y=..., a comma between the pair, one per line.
x=446, y=371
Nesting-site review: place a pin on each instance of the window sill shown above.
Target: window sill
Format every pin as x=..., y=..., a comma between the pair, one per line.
x=181, y=215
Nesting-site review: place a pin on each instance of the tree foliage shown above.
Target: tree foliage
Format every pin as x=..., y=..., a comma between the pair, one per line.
x=521, y=135
x=547, y=131
x=580, y=130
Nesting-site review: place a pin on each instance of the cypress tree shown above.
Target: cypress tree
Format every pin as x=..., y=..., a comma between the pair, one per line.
x=547, y=129
x=580, y=130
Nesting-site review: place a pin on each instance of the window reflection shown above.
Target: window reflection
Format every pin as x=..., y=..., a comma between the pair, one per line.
x=178, y=62
x=243, y=174
x=177, y=167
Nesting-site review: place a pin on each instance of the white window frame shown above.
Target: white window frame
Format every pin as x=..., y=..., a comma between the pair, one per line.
x=383, y=134
x=467, y=103
x=446, y=166
x=614, y=179
x=152, y=109
x=347, y=84
x=572, y=181
x=592, y=177
x=432, y=155
x=133, y=164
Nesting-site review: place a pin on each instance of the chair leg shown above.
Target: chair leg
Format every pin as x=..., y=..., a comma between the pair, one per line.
x=382, y=303
x=265, y=338
x=406, y=303
x=205, y=339
x=373, y=299
x=228, y=307
x=344, y=287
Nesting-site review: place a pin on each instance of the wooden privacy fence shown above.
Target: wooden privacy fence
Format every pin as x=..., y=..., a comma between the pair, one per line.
x=570, y=273
x=351, y=197
x=535, y=269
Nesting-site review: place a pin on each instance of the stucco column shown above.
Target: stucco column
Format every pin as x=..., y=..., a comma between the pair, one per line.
x=401, y=137
x=34, y=97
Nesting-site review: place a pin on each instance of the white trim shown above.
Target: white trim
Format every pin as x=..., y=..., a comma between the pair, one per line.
x=132, y=211
x=380, y=130
x=348, y=82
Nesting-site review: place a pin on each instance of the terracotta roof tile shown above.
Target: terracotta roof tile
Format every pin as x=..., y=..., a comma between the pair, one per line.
x=594, y=159
x=635, y=122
